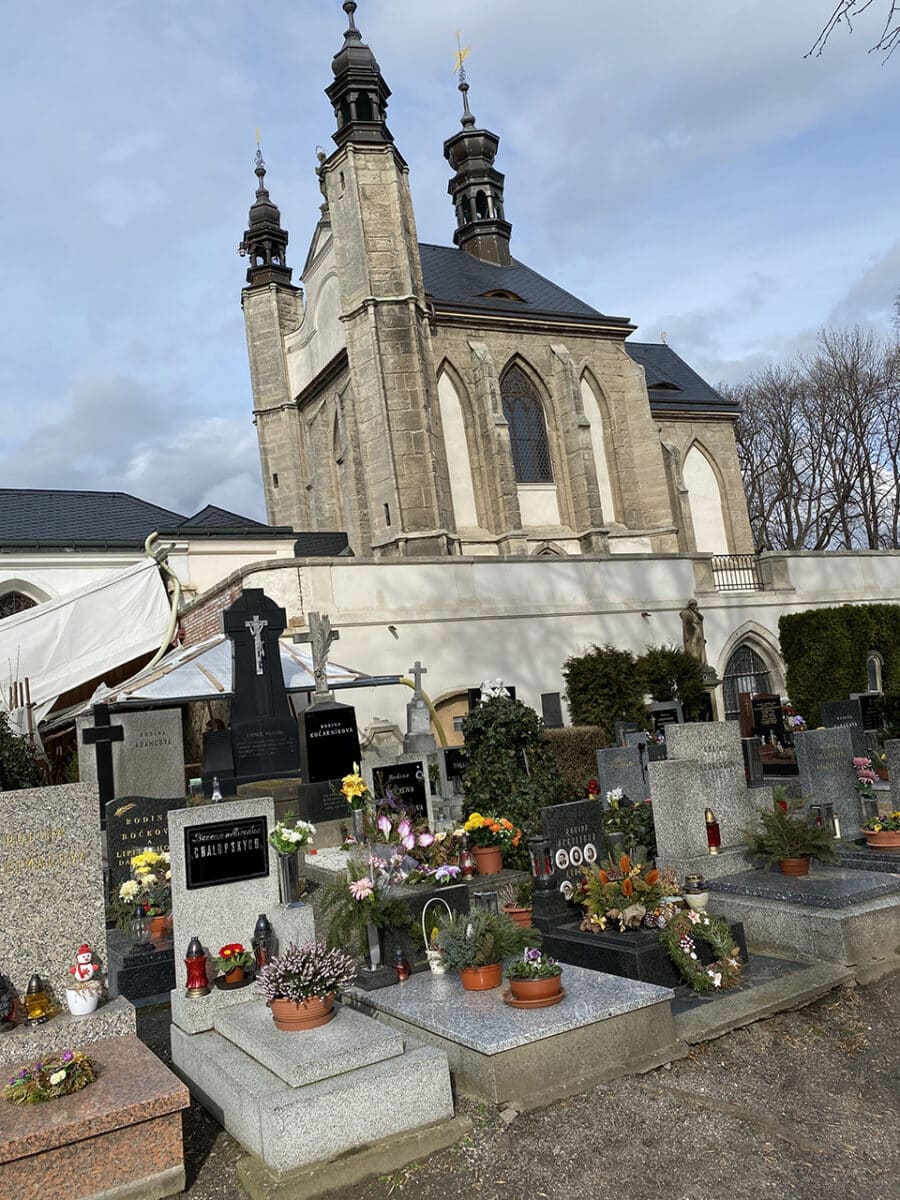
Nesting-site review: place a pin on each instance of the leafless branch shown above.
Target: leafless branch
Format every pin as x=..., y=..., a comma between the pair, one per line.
x=846, y=13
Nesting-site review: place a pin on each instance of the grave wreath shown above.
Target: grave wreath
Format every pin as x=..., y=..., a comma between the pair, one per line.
x=680, y=938
x=51, y=1077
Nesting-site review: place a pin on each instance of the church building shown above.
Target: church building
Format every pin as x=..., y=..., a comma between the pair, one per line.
x=448, y=400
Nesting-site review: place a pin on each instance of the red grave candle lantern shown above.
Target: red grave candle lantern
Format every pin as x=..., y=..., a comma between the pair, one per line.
x=713, y=834
x=195, y=961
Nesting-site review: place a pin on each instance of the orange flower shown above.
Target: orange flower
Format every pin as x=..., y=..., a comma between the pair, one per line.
x=505, y=823
x=624, y=864
x=516, y=839
x=627, y=887
x=652, y=876
x=604, y=878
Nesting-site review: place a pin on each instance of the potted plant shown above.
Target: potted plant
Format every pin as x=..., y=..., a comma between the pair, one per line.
x=150, y=889
x=83, y=996
x=300, y=984
x=515, y=899
x=489, y=837
x=883, y=832
x=362, y=909
x=477, y=944
x=535, y=977
x=233, y=961
x=788, y=836
x=866, y=776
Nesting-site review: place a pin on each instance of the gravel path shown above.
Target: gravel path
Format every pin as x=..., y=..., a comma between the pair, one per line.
x=804, y=1105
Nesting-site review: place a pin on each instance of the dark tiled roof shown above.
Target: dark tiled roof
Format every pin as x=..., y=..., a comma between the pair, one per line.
x=213, y=517
x=682, y=388
x=322, y=545
x=454, y=277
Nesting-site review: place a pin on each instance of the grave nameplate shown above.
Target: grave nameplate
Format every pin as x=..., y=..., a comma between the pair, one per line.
x=621, y=728
x=406, y=783
x=226, y=852
x=551, y=710
x=623, y=767
x=329, y=742
x=575, y=833
x=846, y=714
x=871, y=706
x=134, y=823
x=665, y=713
x=768, y=718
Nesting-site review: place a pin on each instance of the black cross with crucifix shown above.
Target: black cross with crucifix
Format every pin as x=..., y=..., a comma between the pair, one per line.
x=101, y=737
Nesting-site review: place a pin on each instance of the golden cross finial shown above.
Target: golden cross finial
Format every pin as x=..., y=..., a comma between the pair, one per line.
x=462, y=53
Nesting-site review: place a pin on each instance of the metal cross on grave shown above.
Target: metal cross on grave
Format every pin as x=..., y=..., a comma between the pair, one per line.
x=256, y=627
x=417, y=671
x=101, y=737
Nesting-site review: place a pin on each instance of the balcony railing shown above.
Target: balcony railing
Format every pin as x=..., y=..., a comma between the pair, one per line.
x=737, y=573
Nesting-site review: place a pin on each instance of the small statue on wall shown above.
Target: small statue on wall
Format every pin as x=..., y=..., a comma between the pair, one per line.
x=692, y=631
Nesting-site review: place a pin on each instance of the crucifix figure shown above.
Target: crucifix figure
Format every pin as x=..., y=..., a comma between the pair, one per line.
x=256, y=627
x=417, y=671
x=320, y=637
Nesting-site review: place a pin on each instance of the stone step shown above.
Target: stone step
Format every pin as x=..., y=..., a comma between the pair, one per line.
x=348, y=1042
x=288, y=1128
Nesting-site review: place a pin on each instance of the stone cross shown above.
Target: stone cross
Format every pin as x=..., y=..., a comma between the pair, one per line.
x=101, y=737
x=256, y=626
x=319, y=638
x=417, y=671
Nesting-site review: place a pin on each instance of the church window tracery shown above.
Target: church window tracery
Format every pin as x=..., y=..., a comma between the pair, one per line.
x=746, y=672
x=527, y=429
x=13, y=603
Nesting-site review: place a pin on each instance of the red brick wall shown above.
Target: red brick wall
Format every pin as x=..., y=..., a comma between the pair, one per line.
x=204, y=620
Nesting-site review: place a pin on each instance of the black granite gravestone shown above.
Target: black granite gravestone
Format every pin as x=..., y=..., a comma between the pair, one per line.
x=132, y=824
x=551, y=710
x=768, y=718
x=405, y=781
x=329, y=750
x=846, y=714
x=665, y=712
x=621, y=728
x=575, y=833
x=872, y=710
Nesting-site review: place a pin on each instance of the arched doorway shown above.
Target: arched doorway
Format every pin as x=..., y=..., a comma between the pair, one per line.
x=746, y=671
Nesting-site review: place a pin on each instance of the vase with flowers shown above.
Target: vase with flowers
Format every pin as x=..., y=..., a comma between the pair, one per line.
x=148, y=893
x=288, y=838
x=355, y=791
x=300, y=984
x=489, y=836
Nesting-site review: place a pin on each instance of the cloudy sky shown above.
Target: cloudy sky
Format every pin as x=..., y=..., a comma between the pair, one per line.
x=675, y=161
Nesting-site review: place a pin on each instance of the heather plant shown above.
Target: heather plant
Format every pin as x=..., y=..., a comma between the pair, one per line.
x=302, y=972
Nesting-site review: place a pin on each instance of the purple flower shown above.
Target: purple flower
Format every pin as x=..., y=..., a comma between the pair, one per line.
x=384, y=824
x=404, y=829
x=426, y=838
x=446, y=873
x=532, y=955
x=389, y=799
x=68, y=1056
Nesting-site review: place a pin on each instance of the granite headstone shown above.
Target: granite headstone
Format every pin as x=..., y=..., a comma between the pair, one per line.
x=623, y=767
x=575, y=833
x=825, y=760
x=132, y=824
x=406, y=782
x=148, y=758
x=871, y=704
x=846, y=714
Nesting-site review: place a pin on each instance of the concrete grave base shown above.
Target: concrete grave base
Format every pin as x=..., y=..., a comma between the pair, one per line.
x=27, y=1043
x=606, y=1027
x=378, y=1158
x=117, y=1139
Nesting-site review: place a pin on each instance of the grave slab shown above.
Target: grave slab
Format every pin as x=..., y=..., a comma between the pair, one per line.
x=27, y=1043
x=823, y=887
x=604, y=1028
x=347, y=1043
x=623, y=767
x=120, y=1136
x=857, y=856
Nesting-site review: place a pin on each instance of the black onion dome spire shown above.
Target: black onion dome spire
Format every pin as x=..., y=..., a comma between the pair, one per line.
x=265, y=242
x=477, y=188
x=359, y=94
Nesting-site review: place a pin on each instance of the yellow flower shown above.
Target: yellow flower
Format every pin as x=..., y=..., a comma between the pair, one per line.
x=475, y=821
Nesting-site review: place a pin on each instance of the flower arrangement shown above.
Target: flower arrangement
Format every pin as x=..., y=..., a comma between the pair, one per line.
x=288, y=838
x=480, y=939
x=619, y=895
x=888, y=823
x=792, y=718
x=787, y=831
x=492, y=831
x=362, y=900
x=397, y=828
x=150, y=884
x=865, y=778
x=355, y=789
x=54, y=1076
x=232, y=956
x=614, y=797
x=302, y=972
x=533, y=964
x=681, y=937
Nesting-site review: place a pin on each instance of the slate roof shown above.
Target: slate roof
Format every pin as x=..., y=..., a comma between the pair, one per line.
x=456, y=278
x=682, y=387
x=37, y=516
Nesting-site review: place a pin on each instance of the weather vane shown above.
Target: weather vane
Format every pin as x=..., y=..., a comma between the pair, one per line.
x=462, y=53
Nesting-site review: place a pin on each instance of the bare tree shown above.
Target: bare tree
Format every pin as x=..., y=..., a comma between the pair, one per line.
x=819, y=445
x=847, y=11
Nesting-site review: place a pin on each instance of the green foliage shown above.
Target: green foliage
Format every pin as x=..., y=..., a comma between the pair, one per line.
x=826, y=650
x=347, y=918
x=480, y=939
x=781, y=834
x=19, y=768
x=670, y=673
x=636, y=823
x=501, y=736
x=602, y=687
x=574, y=751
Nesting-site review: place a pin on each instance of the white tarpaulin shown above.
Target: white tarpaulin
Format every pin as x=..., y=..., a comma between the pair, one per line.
x=64, y=643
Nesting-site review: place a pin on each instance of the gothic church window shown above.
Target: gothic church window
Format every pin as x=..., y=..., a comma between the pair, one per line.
x=745, y=672
x=14, y=602
x=527, y=429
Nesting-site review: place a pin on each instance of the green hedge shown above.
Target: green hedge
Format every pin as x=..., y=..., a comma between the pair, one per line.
x=826, y=650
x=608, y=685
x=574, y=752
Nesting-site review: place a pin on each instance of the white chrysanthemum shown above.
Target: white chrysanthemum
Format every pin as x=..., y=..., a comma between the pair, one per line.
x=128, y=890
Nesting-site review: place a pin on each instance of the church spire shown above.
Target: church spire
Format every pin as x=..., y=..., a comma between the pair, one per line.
x=265, y=242
x=359, y=94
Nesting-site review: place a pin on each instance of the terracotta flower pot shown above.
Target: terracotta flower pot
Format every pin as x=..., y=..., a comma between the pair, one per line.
x=536, y=989
x=161, y=928
x=882, y=773
x=481, y=979
x=235, y=975
x=887, y=839
x=521, y=916
x=794, y=866
x=488, y=859
x=290, y=1016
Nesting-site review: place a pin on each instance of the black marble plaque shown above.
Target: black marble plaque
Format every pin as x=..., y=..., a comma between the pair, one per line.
x=134, y=823
x=329, y=742
x=406, y=784
x=768, y=718
x=575, y=833
x=226, y=852
x=455, y=762
x=666, y=712
x=551, y=710
x=846, y=714
x=871, y=706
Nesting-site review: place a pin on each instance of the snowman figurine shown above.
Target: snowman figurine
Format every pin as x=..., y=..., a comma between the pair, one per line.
x=84, y=968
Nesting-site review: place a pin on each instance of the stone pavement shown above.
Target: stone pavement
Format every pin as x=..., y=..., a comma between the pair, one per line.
x=804, y=1105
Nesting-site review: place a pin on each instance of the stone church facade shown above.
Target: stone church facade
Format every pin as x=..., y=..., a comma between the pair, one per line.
x=440, y=401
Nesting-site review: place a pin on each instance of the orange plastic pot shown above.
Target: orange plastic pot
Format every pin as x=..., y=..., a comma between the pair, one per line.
x=521, y=916
x=488, y=859
x=887, y=839
x=536, y=989
x=291, y=1017
x=481, y=979
x=794, y=866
